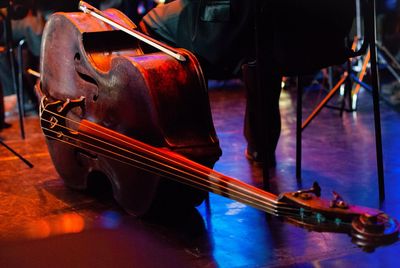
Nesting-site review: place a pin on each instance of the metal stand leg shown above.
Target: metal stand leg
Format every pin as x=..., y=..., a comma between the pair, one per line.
x=348, y=85
x=321, y=105
x=20, y=90
x=299, y=127
x=29, y=164
x=375, y=95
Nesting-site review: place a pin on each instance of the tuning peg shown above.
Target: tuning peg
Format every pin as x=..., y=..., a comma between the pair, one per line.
x=315, y=189
x=337, y=201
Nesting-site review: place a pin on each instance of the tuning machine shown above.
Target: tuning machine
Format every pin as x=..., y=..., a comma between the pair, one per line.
x=338, y=202
x=306, y=194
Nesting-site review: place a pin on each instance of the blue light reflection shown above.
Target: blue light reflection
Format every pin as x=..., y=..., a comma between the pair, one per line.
x=229, y=221
x=110, y=219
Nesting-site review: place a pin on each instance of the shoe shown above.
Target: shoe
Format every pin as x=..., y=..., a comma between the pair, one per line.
x=258, y=159
x=4, y=125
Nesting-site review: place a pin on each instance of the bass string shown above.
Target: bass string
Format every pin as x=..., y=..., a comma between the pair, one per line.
x=161, y=163
x=212, y=175
x=277, y=212
x=219, y=186
x=227, y=193
x=200, y=185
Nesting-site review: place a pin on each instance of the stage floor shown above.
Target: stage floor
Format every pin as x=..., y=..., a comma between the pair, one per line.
x=45, y=224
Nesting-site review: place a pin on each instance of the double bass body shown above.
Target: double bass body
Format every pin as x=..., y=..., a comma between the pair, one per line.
x=151, y=97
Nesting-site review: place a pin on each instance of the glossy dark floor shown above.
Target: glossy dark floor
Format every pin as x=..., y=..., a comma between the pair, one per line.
x=45, y=224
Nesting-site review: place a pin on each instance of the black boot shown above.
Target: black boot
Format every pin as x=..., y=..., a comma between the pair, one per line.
x=254, y=119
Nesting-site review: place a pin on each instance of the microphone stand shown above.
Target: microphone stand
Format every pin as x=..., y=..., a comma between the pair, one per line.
x=17, y=88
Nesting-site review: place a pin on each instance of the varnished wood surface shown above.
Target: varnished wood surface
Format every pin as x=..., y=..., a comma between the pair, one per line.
x=45, y=224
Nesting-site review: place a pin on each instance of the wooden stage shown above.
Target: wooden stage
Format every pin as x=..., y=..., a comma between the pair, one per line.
x=45, y=224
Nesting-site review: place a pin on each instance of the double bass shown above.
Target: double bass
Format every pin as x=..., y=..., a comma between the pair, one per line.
x=110, y=81
x=142, y=119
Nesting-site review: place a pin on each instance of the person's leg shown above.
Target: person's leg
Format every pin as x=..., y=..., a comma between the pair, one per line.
x=28, y=28
x=262, y=120
x=254, y=117
x=6, y=75
x=6, y=88
x=162, y=21
x=8, y=97
x=1, y=109
x=3, y=124
x=173, y=23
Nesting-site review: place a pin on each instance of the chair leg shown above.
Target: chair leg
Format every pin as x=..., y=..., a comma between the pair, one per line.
x=299, y=119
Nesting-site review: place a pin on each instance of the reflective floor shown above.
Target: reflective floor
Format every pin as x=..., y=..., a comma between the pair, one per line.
x=45, y=224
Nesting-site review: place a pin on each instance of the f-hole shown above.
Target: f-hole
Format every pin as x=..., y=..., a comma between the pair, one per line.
x=85, y=77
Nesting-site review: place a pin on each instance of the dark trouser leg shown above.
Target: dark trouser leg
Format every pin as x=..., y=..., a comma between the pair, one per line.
x=6, y=75
x=1, y=109
x=254, y=115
